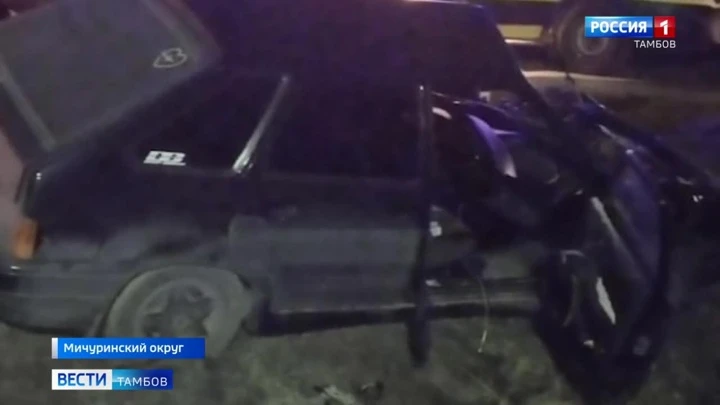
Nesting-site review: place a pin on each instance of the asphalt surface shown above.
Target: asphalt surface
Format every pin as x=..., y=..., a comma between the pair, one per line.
x=514, y=368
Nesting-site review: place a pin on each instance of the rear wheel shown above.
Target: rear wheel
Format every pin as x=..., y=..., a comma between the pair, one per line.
x=181, y=301
x=588, y=55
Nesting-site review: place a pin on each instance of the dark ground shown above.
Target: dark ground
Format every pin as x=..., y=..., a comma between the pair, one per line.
x=514, y=369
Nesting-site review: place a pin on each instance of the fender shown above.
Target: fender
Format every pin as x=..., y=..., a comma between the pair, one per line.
x=144, y=241
x=252, y=250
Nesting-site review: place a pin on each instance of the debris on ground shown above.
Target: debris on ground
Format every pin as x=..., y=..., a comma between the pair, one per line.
x=366, y=394
x=333, y=395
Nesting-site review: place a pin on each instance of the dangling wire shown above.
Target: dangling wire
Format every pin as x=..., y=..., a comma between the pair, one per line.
x=486, y=315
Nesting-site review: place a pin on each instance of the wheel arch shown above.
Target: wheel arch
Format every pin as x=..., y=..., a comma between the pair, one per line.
x=139, y=241
x=141, y=249
x=234, y=296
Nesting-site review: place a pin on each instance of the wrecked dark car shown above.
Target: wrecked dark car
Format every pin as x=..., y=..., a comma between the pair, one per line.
x=339, y=162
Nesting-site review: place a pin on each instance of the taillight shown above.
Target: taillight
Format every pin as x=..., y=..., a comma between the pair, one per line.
x=25, y=240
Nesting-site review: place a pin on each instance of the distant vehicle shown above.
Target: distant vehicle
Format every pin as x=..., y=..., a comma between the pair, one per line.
x=559, y=26
x=338, y=162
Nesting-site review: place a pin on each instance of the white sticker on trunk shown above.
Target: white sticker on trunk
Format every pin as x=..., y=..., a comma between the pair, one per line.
x=157, y=157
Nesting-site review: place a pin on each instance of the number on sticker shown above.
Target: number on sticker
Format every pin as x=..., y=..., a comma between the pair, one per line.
x=157, y=157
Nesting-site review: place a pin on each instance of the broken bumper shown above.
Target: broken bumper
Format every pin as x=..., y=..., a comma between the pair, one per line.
x=50, y=296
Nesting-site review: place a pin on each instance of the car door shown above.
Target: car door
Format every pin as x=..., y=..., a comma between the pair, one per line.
x=342, y=198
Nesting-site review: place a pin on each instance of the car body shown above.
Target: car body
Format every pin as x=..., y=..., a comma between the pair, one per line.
x=292, y=175
x=102, y=239
x=559, y=26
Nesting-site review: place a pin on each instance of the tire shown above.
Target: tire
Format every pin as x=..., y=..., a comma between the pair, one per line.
x=230, y=302
x=588, y=55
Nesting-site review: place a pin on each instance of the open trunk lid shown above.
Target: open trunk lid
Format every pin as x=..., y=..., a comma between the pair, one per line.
x=71, y=70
